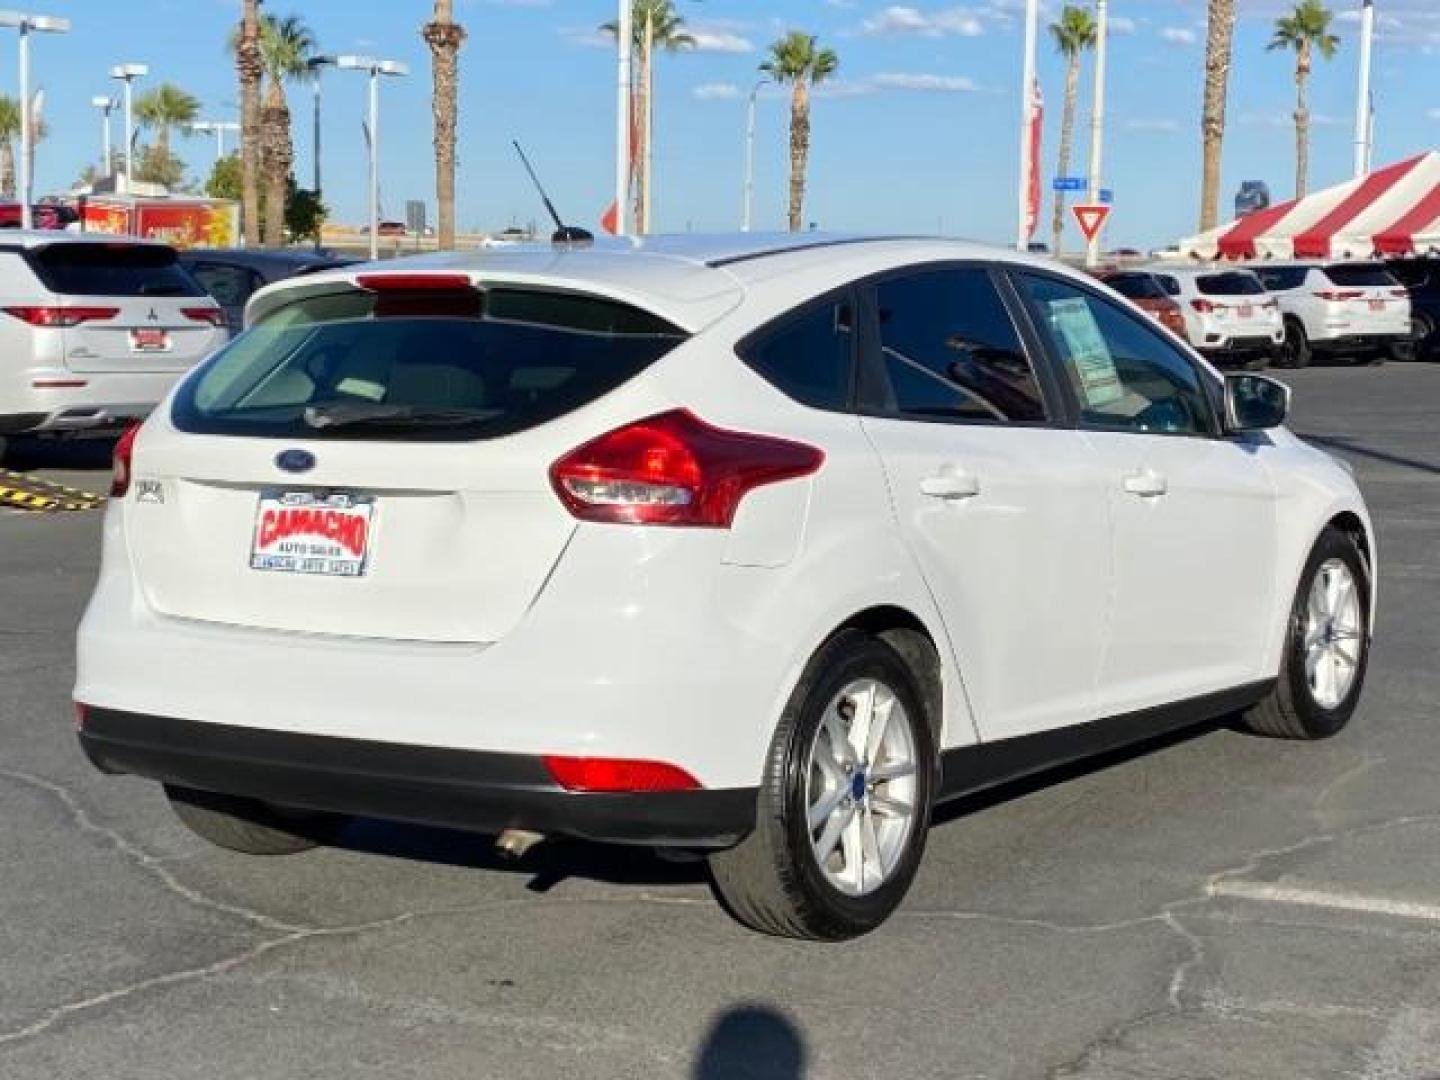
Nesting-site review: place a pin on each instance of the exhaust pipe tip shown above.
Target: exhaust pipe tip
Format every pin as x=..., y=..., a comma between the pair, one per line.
x=515, y=844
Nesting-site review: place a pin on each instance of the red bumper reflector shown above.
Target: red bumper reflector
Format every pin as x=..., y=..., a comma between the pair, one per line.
x=80, y=710
x=618, y=775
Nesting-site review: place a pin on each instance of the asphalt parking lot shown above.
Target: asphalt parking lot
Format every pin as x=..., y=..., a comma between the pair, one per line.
x=1216, y=906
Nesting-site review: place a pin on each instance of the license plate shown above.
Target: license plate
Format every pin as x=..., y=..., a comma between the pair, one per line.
x=1246, y=310
x=149, y=340
x=1377, y=305
x=324, y=534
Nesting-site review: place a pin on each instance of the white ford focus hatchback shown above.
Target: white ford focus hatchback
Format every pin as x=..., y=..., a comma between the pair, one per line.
x=754, y=547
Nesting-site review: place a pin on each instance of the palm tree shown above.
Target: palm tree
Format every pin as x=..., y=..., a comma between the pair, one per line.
x=445, y=36
x=9, y=132
x=1306, y=31
x=657, y=25
x=798, y=60
x=165, y=108
x=1219, y=42
x=250, y=66
x=1074, y=35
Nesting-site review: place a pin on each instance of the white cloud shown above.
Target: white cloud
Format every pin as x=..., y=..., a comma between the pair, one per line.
x=1287, y=120
x=923, y=81
x=721, y=41
x=1122, y=25
x=899, y=19
x=1178, y=35
x=716, y=92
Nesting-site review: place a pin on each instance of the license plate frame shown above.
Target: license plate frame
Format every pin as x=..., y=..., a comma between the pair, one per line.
x=1247, y=311
x=148, y=339
x=313, y=533
x=1377, y=305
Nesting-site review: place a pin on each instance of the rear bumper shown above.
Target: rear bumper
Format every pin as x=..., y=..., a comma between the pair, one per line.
x=1360, y=342
x=1248, y=345
x=463, y=789
x=65, y=401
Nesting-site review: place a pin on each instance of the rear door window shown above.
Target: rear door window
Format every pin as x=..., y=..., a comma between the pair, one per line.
x=1283, y=278
x=426, y=365
x=809, y=356
x=231, y=286
x=1136, y=286
x=102, y=269
x=1230, y=283
x=1361, y=276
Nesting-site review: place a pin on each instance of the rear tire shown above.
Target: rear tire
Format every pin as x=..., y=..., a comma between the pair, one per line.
x=776, y=880
x=1327, y=646
x=250, y=826
x=1296, y=349
x=1422, y=337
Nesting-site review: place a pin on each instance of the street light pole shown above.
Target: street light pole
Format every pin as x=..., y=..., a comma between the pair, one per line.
x=374, y=68
x=624, y=115
x=128, y=73
x=26, y=24
x=218, y=128
x=106, y=105
x=317, y=65
x=1097, y=121
x=1364, y=129
x=750, y=156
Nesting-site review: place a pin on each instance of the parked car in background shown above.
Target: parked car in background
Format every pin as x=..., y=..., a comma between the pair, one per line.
x=94, y=331
x=758, y=547
x=1421, y=278
x=1349, y=309
x=232, y=276
x=1143, y=289
x=1228, y=314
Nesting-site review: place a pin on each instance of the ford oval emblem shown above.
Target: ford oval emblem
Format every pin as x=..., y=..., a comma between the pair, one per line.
x=295, y=460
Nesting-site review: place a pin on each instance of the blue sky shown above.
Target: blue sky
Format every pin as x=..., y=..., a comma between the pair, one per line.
x=917, y=134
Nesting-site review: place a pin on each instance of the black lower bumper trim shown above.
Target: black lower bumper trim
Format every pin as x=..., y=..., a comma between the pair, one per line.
x=19, y=423
x=460, y=789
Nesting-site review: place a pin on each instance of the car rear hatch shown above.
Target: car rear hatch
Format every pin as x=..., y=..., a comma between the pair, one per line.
x=126, y=307
x=1368, y=298
x=375, y=463
x=1238, y=303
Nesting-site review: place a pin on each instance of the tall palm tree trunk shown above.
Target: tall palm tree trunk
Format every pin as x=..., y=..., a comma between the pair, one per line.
x=799, y=151
x=445, y=37
x=1067, y=145
x=642, y=139
x=1302, y=124
x=249, y=66
x=1219, y=45
x=7, y=169
x=277, y=157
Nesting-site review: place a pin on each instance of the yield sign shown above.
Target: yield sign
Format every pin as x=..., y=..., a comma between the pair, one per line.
x=1091, y=218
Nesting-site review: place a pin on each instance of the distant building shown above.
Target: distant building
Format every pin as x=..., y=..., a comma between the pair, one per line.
x=1254, y=196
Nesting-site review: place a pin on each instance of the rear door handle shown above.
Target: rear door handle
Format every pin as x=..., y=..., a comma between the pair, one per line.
x=1147, y=484
x=950, y=483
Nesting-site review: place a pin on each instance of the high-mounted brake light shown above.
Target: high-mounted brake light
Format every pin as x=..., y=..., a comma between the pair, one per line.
x=60, y=317
x=674, y=469
x=212, y=315
x=414, y=282
x=1204, y=307
x=617, y=775
x=123, y=462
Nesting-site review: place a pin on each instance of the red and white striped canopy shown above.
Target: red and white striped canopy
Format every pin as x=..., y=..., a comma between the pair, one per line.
x=1393, y=211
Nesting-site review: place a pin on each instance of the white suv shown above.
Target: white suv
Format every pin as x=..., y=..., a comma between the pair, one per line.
x=1350, y=309
x=758, y=547
x=1229, y=316
x=94, y=331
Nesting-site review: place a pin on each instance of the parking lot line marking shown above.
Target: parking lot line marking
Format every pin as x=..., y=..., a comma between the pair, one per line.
x=1333, y=900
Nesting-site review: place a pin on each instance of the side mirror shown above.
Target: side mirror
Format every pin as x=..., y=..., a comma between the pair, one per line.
x=1255, y=403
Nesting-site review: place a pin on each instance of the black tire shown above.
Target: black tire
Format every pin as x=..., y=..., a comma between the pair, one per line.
x=250, y=826
x=1291, y=711
x=772, y=882
x=1296, y=350
x=1422, y=337
x=4, y=446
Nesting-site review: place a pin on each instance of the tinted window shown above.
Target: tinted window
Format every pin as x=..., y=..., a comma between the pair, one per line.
x=809, y=356
x=1136, y=286
x=112, y=270
x=1416, y=274
x=443, y=366
x=951, y=352
x=1169, y=284
x=1230, y=283
x=1124, y=374
x=1284, y=278
x=1361, y=276
x=231, y=286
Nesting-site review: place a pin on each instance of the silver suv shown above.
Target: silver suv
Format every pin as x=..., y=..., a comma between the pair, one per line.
x=1350, y=309
x=94, y=330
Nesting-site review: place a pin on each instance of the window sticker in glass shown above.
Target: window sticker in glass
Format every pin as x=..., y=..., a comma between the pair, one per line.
x=1094, y=366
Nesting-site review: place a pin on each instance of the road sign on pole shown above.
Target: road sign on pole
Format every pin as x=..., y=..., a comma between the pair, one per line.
x=1107, y=196
x=1069, y=183
x=1091, y=219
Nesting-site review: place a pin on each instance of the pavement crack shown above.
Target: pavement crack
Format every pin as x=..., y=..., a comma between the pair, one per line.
x=145, y=861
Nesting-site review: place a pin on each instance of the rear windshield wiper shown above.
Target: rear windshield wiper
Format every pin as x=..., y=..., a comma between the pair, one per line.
x=322, y=417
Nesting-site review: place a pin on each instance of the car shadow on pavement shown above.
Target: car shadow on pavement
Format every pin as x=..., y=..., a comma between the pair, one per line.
x=1351, y=446
x=76, y=454
x=751, y=1042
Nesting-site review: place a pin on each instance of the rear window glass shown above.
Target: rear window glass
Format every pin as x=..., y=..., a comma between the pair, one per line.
x=1233, y=283
x=1361, y=276
x=453, y=365
x=1416, y=275
x=1136, y=286
x=1283, y=279
x=112, y=270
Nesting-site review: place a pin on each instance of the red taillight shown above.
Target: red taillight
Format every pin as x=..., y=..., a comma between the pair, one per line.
x=124, y=457
x=674, y=469
x=1336, y=295
x=61, y=317
x=1403, y=294
x=1204, y=307
x=414, y=282
x=213, y=316
x=616, y=775
x=81, y=709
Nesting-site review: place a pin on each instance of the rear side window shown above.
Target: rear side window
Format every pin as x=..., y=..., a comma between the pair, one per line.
x=230, y=285
x=1169, y=284
x=1361, y=276
x=1284, y=278
x=1136, y=286
x=112, y=270
x=809, y=357
x=1414, y=275
x=950, y=352
x=1230, y=283
x=443, y=366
